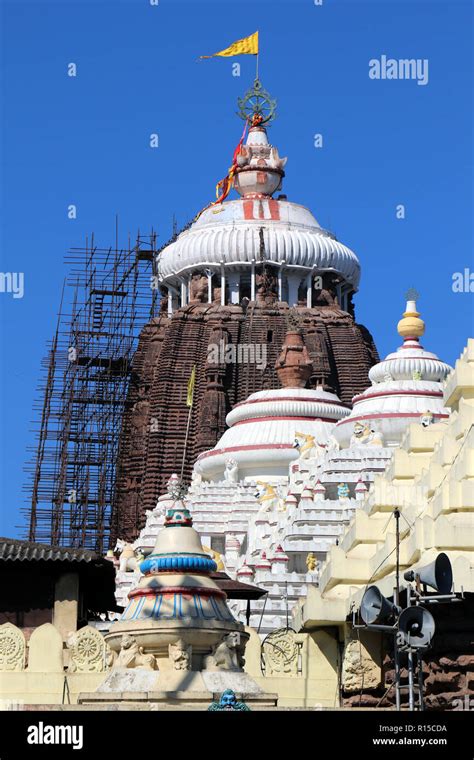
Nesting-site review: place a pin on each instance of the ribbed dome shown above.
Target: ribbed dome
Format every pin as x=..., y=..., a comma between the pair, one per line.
x=231, y=234
x=262, y=430
x=408, y=359
x=405, y=386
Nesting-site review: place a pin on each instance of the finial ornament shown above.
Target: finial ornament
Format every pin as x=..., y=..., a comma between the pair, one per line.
x=257, y=106
x=411, y=327
x=412, y=295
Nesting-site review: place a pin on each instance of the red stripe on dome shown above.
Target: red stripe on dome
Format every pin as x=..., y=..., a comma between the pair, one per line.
x=396, y=393
x=274, y=208
x=390, y=414
x=184, y=590
x=250, y=447
x=298, y=417
x=248, y=210
x=305, y=399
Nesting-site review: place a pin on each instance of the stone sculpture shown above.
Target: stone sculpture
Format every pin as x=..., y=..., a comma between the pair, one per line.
x=231, y=473
x=132, y=656
x=180, y=655
x=228, y=701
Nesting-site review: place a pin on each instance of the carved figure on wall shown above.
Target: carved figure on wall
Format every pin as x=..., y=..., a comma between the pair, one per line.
x=363, y=435
x=132, y=656
x=180, y=655
x=311, y=562
x=198, y=288
x=343, y=491
x=307, y=446
x=427, y=418
x=231, y=472
x=228, y=654
x=268, y=497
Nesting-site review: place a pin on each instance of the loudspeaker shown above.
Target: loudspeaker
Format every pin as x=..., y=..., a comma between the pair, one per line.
x=438, y=574
x=375, y=608
x=416, y=626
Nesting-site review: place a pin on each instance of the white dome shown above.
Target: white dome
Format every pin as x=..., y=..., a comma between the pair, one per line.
x=410, y=358
x=262, y=430
x=230, y=233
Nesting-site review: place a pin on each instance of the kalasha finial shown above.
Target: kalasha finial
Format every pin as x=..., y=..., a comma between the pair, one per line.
x=257, y=106
x=411, y=327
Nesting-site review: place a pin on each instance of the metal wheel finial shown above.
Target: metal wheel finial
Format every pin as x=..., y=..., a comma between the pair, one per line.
x=257, y=106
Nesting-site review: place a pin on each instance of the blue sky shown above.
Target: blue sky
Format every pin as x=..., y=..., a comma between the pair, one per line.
x=85, y=141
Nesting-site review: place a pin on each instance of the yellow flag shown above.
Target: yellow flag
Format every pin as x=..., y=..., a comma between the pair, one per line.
x=191, y=382
x=246, y=46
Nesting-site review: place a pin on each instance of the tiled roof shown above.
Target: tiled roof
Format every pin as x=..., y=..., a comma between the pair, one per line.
x=15, y=550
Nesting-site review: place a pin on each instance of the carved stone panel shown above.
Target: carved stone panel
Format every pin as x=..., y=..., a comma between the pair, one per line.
x=359, y=671
x=280, y=650
x=89, y=652
x=12, y=648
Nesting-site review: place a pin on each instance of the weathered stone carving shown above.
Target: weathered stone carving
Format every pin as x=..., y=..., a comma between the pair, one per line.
x=280, y=650
x=12, y=647
x=88, y=651
x=132, y=656
x=228, y=654
x=180, y=655
x=359, y=671
x=198, y=288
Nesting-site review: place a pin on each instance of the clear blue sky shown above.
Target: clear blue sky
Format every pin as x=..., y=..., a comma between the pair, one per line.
x=85, y=141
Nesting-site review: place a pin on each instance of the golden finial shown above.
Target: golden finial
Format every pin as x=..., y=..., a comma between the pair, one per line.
x=411, y=326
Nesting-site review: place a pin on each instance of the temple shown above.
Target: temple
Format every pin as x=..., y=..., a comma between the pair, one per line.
x=271, y=469
x=236, y=279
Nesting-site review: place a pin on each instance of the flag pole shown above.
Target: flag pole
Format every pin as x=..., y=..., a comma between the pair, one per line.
x=256, y=73
x=185, y=443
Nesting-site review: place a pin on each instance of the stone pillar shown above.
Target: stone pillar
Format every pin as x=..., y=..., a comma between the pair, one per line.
x=66, y=602
x=309, y=289
x=252, y=281
x=293, y=285
x=234, y=287
x=280, y=281
x=222, y=285
x=209, y=275
x=188, y=288
x=170, y=302
x=183, y=293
